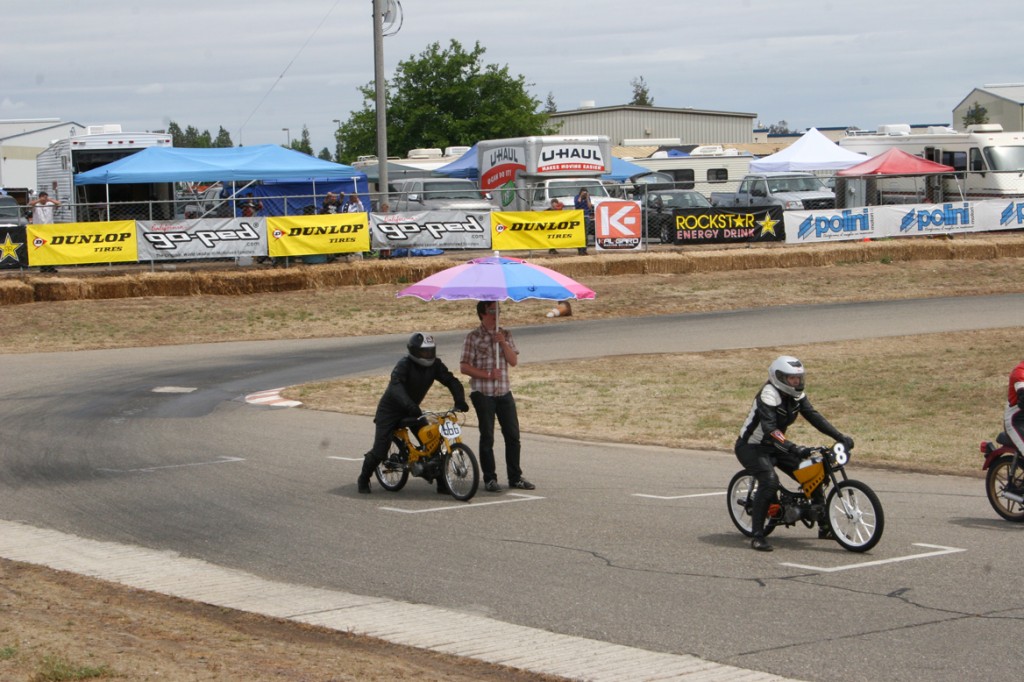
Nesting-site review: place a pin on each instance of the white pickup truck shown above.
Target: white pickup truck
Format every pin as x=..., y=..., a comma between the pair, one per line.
x=791, y=191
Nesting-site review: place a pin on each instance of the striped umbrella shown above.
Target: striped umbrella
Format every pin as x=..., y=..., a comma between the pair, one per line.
x=497, y=278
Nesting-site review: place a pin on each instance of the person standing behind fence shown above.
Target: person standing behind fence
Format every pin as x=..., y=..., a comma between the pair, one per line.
x=332, y=203
x=354, y=205
x=583, y=202
x=42, y=209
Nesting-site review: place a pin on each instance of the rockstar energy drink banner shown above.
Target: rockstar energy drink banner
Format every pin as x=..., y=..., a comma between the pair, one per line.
x=81, y=243
x=13, y=252
x=537, y=230
x=307, y=235
x=719, y=226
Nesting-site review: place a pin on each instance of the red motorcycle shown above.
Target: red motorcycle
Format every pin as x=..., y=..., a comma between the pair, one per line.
x=1004, y=483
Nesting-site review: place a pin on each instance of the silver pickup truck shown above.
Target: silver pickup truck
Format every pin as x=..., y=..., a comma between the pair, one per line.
x=791, y=191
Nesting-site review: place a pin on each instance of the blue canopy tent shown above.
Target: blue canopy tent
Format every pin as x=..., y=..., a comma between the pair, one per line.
x=466, y=167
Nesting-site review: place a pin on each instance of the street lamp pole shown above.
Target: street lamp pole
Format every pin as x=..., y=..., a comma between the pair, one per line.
x=288, y=134
x=337, y=143
x=382, y=123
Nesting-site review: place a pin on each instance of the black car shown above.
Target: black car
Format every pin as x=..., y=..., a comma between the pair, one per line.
x=657, y=207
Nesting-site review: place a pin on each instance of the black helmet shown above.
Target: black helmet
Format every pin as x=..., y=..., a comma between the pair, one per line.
x=422, y=349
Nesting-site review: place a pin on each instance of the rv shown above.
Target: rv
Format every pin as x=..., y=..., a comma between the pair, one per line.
x=97, y=146
x=707, y=169
x=989, y=163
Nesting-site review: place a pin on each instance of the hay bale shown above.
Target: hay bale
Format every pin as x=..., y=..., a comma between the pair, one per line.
x=60, y=289
x=15, y=291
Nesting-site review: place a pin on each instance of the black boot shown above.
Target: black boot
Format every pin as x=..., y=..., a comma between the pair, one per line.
x=761, y=544
x=363, y=482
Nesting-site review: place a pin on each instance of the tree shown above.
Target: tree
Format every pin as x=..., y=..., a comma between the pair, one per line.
x=443, y=98
x=223, y=139
x=191, y=137
x=302, y=144
x=325, y=155
x=780, y=128
x=975, y=114
x=641, y=93
x=549, y=104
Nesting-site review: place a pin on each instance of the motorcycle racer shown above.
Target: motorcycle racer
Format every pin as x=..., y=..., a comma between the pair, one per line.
x=1013, y=417
x=762, y=444
x=411, y=378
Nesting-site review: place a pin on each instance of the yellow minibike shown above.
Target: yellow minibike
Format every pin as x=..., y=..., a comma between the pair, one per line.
x=436, y=453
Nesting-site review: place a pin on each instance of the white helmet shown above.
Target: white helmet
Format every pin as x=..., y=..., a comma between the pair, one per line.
x=784, y=368
x=421, y=348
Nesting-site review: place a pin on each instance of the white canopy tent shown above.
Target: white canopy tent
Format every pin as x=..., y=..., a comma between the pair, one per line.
x=812, y=152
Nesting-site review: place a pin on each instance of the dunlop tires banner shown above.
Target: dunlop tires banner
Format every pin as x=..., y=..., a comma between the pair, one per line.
x=309, y=235
x=202, y=238
x=82, y=243
x=431, y=230
x=513, y=230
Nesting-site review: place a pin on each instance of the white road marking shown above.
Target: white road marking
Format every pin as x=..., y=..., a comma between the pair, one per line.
x=465, y=505
x=222, y=460
x=678, y=497
x=940, y=550
x=346, y=459
x=173, y=389
x=270, y=398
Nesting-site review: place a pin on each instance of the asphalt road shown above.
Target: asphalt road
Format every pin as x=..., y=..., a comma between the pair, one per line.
x=631, y=545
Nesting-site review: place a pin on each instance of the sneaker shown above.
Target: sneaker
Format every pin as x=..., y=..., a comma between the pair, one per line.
x=761, y=544
x=522, y=484
x=492, y=487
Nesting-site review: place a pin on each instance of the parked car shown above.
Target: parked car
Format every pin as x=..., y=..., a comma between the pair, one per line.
x=657, y=208
x=437, y=194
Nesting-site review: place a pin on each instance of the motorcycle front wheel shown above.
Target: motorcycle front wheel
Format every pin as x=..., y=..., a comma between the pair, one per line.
x=1000, y=475
x=740, y=500
x=461, y=472
x=392, y=473
x=855, y=514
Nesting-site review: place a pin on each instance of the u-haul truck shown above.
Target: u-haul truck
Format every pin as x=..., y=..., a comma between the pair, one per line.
x=526, y=173
x=96, y=146
x=989, y=163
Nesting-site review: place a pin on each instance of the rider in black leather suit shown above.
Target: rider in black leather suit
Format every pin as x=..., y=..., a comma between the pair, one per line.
x=762, y=444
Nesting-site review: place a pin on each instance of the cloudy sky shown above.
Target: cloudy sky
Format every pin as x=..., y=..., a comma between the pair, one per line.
x=258, y=66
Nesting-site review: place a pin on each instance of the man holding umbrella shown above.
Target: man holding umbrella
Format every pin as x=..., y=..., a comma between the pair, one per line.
x=487, y=354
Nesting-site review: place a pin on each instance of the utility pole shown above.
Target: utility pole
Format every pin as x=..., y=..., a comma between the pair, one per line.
x=381, y=90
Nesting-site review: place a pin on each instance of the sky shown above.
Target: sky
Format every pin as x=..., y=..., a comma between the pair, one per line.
x=259, y=67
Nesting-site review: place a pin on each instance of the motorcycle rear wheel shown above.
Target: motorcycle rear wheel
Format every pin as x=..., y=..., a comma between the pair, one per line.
x=740, y=498
x=855, y=514
x=392, y=473
x=461, y=472
x=996, y=481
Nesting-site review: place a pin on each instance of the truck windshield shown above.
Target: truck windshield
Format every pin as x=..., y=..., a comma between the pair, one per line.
x=1005, y=158
x=450, y=190
x=795, y=184
x=571, y=188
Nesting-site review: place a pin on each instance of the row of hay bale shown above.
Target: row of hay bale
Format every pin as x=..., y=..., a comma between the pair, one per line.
x=29, y=288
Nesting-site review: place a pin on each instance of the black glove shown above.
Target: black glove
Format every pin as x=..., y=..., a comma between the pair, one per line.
x=847, y=442
x=461, y=406
x=802, y=451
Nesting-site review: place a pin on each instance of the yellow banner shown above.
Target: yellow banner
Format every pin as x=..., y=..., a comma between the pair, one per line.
x=511, y=230
x=80, y=243
x=305, y=235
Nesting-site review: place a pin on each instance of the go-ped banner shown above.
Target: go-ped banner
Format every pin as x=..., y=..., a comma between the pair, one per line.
x=201, y=238
x=512, y=230
x=82, y=243
x=431, y=229
x=906, y=220
x=308, y=235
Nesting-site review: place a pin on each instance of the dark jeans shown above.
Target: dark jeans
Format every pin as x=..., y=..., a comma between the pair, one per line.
x=504, y=408
x=760, y=461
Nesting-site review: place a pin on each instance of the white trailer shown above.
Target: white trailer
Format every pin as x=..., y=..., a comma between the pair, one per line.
x=97, y=146
x=517, y=171
x=989, y=163
x=707, y=169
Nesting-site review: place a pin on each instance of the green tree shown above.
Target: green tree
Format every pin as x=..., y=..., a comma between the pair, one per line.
x=641, y=93
x=550, y=107
x=177, y=136
x=442, y=98
x=975, y=114
x=325, y=154
x=223, y=139
x=303, y=144
x=780, y=128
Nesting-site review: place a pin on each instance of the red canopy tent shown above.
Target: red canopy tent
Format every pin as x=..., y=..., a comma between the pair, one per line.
x=896, y=162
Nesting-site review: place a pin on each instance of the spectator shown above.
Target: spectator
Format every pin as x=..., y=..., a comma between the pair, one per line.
x=555, y=205
x=486, y=356
x=333, y=203
x=583, y=202
x=251, y=206
x=42, y=209
x=354, y=205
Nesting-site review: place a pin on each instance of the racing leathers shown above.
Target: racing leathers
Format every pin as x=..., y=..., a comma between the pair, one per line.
x=1013, y=417
x=408, y=386
x=762, y=444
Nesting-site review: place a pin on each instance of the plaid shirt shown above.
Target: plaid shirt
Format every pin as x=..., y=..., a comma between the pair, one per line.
x=479, y=351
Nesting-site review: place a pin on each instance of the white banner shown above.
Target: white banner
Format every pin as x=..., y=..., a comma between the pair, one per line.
x=909, y=220
x=201, y=238
x=431, y=229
